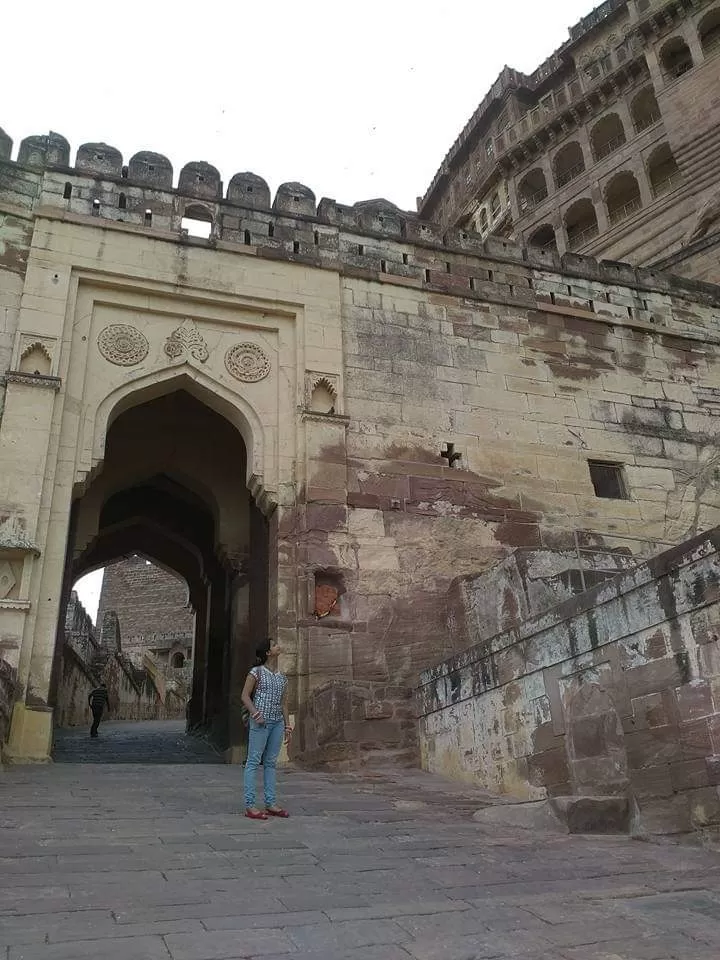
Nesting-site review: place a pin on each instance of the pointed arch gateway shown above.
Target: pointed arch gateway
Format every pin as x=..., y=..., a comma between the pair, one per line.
x=175, y=475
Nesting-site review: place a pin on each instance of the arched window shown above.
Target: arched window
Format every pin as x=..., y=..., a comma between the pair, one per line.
x=36, y=360
x=178, y=660
x=675, y=58
x=663, y=172
x=197, y=220
x=543, y=238
x=607, y=135
x=644, y=109
x=532, y=190
x=622, y=197
x=569, y=163
x=709, y=32
x=581, y=223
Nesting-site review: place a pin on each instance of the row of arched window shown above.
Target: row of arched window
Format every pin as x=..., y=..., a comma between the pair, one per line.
x=622, y=198
x=675, y=56
x=606, y=136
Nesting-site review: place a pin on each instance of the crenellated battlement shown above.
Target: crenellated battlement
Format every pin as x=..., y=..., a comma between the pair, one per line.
x=373, y=239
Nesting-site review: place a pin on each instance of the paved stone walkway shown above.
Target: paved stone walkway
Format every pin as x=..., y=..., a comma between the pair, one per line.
x=126, y=742
x=134, y=862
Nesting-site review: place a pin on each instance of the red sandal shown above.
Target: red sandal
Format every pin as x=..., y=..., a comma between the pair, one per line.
x=260, y=815
x=277, y=813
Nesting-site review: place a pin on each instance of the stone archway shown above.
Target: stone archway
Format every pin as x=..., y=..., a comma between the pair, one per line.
x=172, y=486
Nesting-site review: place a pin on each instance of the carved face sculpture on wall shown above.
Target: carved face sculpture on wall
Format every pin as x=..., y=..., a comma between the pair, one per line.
x=326, y=598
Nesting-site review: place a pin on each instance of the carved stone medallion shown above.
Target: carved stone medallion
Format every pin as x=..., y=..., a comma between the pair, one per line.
x=122, y=344
x=187, y=339
x=247, y=362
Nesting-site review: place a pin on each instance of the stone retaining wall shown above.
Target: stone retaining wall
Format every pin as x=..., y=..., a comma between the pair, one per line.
x=615, y=692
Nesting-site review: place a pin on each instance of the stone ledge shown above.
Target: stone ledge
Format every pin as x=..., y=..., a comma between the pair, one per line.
x=14, y=604
x=33, y=379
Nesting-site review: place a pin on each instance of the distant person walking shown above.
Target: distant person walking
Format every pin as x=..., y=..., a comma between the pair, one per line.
x=264, y=696
x=98, y=700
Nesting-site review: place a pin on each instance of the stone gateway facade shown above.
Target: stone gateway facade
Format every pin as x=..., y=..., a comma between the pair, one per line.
x=325, y=419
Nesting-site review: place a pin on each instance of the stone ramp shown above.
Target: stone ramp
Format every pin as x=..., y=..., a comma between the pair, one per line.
x=142, y=741
x=121, y=863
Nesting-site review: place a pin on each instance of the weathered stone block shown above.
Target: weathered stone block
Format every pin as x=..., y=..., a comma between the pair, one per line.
x=593, y=814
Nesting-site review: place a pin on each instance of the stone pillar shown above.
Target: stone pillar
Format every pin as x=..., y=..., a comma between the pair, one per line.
x=560, y=232
x=641, y=175
x=601, y=213
x=25, y=438
x=692, y=39
x=622, y=108
x=656, y=73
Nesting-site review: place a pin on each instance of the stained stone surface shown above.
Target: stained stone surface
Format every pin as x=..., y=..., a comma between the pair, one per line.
x=135, y=862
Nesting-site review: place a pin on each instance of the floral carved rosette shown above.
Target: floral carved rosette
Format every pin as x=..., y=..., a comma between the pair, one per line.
x=122, y=344
x=247, y=362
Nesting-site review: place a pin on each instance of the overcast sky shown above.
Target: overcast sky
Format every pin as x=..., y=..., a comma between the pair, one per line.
x=356, y=100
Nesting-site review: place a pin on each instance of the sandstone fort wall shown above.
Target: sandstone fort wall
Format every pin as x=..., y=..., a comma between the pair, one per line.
x=386, y=341
x=612, y=693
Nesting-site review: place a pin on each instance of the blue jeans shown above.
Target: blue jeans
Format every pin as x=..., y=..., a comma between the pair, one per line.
x=263, y=747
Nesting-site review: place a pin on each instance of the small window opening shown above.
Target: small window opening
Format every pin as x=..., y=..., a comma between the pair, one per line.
x=316, y=238
x=124, y=173
x=472, y=283
x=405, y=258
x=608, y=480
x=148, y=218
x=200, y=178
x=178, y=660
x=296, y=246
x=383, y=266
x=490, y=275
x=99, y=156
x=122, y=202
x=427, y=276
x=296, y=199
x=96, y=208
x=361, y=250
x=448, y=267
x=151, y=168
x=271, y=229
x=249, y=190
x=67, y=192
x=197, y=221
x=247, y=237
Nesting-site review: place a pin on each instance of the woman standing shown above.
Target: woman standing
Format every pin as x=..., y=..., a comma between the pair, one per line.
x=264, y=696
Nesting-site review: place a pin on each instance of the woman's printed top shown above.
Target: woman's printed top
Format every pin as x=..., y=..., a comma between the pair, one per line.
x=268, y=692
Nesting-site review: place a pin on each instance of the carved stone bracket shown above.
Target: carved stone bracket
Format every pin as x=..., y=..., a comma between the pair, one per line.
x=14, y=538
x=262, y=497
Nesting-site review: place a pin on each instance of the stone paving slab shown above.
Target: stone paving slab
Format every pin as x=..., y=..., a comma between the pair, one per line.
x=126, y=861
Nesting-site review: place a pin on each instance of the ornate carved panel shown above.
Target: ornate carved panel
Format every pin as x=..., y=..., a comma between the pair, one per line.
x=186, y=340
x=247, y=362
x=122, y=344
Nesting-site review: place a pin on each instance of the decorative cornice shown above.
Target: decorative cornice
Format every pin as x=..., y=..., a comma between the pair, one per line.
x=14, y=604
x=33, y=379
x=326, y=417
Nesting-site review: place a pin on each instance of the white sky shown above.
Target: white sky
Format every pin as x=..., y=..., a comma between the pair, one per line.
x=356, y=100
